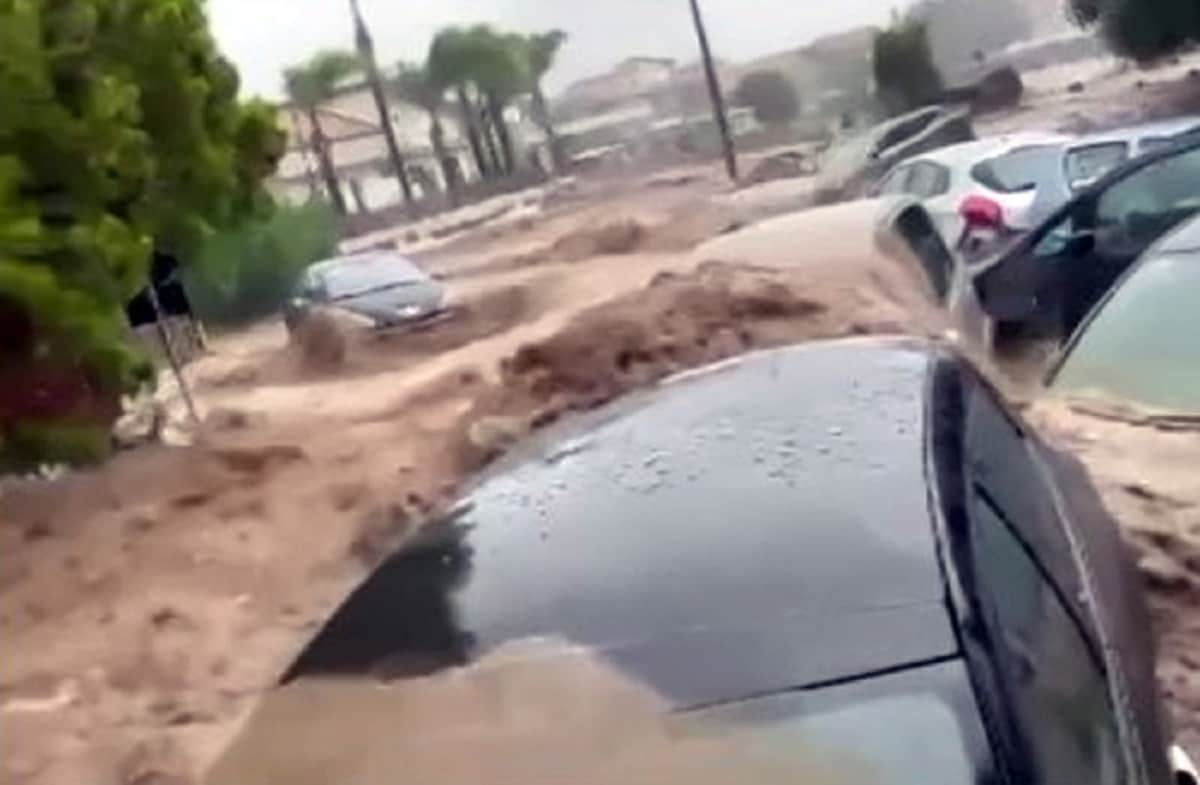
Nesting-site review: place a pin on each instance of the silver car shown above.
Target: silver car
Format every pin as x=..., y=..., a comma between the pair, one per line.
x=1088, y=158
x=382, y=286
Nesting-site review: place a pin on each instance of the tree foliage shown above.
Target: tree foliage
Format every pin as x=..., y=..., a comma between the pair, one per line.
x=1142, y=29
x=541, y=52
x=314, y=81
x=247, y=272
x=771, y=95
x=905, y=73
x=496, y=65
x=120, y=131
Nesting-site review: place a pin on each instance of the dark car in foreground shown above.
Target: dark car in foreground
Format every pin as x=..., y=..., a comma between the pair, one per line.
x=1047, y=282
x=848, y=551
x=1140, y=347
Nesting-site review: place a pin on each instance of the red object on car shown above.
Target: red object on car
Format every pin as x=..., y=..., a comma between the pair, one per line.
x=980, y=211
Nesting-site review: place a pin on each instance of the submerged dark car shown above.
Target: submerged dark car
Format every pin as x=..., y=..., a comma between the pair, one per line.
x=1047, y=283
x=849, y=551
x=381, y=286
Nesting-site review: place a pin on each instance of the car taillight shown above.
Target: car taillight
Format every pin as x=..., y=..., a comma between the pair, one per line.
x=981, y=212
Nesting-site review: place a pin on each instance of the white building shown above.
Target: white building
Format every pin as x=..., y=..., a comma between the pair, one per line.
x=360, y=155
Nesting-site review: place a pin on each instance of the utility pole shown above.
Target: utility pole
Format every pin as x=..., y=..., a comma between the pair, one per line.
x=714, y=92
x=366, y=49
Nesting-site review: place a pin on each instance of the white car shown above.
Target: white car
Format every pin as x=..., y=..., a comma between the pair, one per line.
x=989, y=185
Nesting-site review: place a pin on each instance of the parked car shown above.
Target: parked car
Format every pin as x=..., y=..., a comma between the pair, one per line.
x=385, y=287
x=1093, y=156
x=1046, y=283
x=1140, y=347
x=847, y=551
x=850, y=167
x=1061, y=172
x=992, y=181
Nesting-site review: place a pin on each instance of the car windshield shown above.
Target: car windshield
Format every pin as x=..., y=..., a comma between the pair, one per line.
x=545, y=714
x=1086, y=165
x=361, y=275
x=1140, y=348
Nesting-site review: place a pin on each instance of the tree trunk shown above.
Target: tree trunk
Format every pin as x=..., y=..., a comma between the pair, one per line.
x=360, y=204
x=437, y=138
x=328, y=173
x=389, y=134
x=472, y=130
x=488, y=129
x=314, y=187
x=541, y=113
x=495, y=108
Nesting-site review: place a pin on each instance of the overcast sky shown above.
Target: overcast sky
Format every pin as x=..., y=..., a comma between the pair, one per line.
x=263, y=36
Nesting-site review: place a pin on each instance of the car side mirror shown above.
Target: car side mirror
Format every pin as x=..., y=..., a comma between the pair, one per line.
x=1080, y=244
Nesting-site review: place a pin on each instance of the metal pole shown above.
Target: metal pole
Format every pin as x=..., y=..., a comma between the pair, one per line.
x=714, y=92
x=176, y=368
x=366, y=48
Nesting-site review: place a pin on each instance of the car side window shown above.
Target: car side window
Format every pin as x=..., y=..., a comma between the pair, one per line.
x=1053, y=682
x=928, y=180
x=1136, y=211
x=1054, y=239
x=895, y=183
x=1086, y=165
x=1022, y=169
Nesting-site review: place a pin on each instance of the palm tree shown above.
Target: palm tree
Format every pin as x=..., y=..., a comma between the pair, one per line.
x=450, y=62
x=366, y=51
x=541, y=49
x=415, y=84
x=309, y=85
x=497, y=67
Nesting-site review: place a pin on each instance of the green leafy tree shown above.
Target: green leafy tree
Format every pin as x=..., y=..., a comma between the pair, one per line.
x=1142, y=29
x=120, y=131
x=541, y=50
x=904, y=69
x=309, y=85
x=771, y=95
x=248, y=271
x=416, y=84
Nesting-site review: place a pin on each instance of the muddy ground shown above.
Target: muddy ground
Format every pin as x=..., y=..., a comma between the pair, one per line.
x=154, y=599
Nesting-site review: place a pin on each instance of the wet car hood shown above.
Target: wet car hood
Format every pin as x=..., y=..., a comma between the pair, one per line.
x=752, y=527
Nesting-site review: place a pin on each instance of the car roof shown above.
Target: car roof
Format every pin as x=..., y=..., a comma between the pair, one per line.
x=1172, y=127
x=958, y=156
x=366, y=257
x=755, y=526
